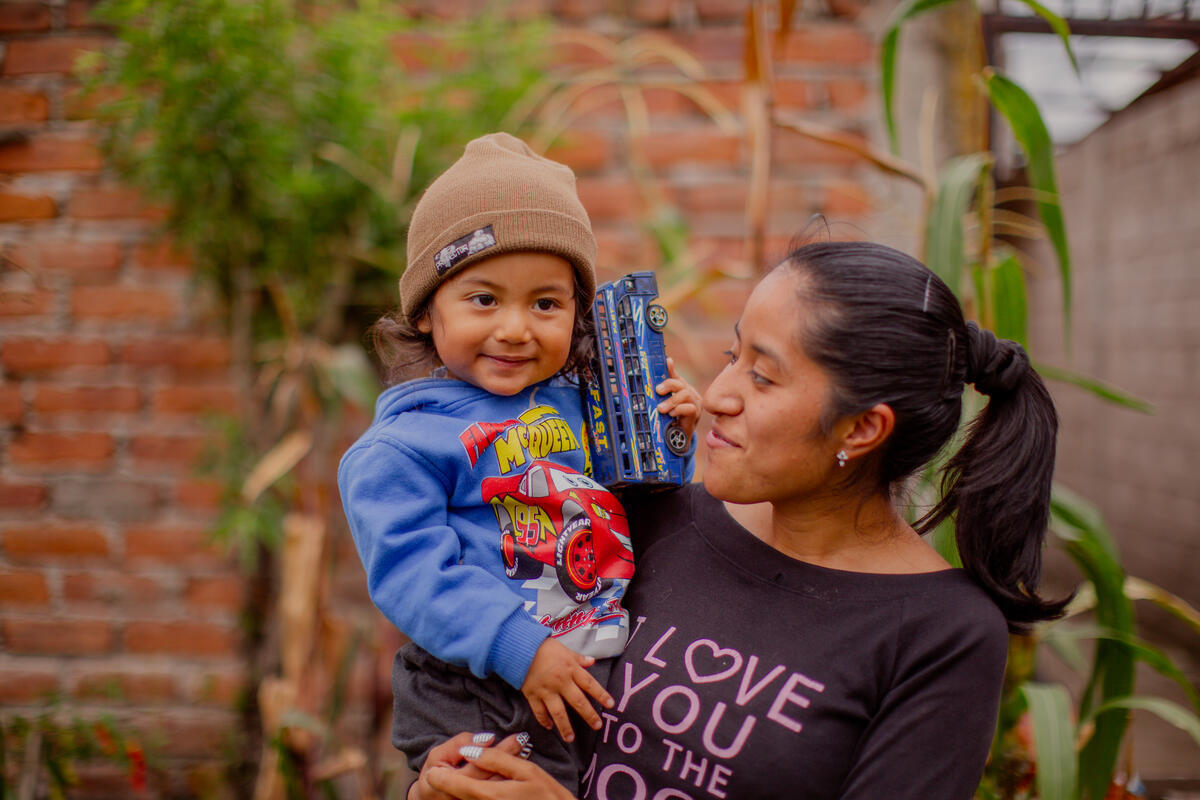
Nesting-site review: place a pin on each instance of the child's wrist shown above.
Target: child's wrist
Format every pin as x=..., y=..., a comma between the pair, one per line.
x=515, y=644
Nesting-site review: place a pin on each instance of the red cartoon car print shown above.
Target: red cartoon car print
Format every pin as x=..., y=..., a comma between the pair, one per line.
x=553, y=515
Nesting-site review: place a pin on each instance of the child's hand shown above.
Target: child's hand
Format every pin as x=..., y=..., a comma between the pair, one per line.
x=558, y=677
x=684, y=402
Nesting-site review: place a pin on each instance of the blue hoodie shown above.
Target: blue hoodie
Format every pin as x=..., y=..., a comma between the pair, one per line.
x=479, y=531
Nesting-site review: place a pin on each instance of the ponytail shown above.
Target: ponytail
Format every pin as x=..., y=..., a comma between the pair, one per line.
x=887, y=330
x=997, y=485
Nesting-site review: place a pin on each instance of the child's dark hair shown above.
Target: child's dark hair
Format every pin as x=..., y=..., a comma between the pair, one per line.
x=888, y=330
x=407, y=353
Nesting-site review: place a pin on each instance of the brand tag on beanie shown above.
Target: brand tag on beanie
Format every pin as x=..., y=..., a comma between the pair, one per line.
x=459, y=249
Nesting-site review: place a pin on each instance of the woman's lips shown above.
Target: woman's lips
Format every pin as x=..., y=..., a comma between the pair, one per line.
x=716, y=439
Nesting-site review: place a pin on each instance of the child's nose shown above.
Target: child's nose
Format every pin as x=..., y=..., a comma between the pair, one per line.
x=512, y=326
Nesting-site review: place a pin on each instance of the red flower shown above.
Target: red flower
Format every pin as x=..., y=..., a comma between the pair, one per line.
x=137, y=766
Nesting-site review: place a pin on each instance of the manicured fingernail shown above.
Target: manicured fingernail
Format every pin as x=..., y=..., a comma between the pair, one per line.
x=470, y=751
x=526, y=752
x=523, y=738
x=483, y=738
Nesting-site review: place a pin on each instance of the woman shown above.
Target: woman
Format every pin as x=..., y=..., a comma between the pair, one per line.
x=824, y=650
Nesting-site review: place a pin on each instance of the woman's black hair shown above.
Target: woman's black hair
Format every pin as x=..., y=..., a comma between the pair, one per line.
x=888, y=330
x=407, y=353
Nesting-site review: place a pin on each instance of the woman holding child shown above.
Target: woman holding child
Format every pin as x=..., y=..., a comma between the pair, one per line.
x=820, y=649
x=824, y=650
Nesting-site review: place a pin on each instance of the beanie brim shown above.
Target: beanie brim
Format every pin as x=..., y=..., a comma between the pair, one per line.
x=515, y=230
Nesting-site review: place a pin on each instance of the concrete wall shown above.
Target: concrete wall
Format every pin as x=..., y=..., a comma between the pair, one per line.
x=1133, y=215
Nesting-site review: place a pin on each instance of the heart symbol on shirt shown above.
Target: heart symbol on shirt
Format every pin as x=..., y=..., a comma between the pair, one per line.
x=715, y=670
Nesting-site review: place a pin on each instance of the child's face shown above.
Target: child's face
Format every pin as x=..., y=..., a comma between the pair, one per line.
x=504, y=323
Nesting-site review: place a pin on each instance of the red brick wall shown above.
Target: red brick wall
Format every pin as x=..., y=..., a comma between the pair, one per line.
x=108, y=587
x=110, y=355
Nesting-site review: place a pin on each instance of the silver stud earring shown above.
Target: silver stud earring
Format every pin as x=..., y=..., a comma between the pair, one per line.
x=841, y=458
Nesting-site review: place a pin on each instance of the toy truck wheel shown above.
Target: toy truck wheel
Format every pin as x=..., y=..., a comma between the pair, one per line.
x=575, y=560
x=656, y=316
x=677, y=440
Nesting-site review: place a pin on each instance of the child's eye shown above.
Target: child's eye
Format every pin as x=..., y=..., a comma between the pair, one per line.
x=482, y=300
x=547, y=304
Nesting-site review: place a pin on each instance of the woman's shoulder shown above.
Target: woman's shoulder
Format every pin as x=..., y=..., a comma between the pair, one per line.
x=655, y=514
x=950, y=610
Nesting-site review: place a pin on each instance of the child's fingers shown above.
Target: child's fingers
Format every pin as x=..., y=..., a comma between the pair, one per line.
x=558, y=712
x=541, y=714
x=579, y=701
x=588, y=683
x=681, y=408
x=671, y=386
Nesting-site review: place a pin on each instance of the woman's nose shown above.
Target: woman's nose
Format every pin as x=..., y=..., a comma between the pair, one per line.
x=719, y=399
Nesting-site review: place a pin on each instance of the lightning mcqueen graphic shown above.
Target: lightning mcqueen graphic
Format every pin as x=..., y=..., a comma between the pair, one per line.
x=556, y=516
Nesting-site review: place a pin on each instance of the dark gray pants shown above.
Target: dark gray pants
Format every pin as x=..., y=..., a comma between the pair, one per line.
x=434, y=700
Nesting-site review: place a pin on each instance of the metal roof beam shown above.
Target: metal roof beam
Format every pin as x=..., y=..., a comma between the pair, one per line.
x=1145, y=28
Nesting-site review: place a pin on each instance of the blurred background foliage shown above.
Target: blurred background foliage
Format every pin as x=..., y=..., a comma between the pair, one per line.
x=288, y=142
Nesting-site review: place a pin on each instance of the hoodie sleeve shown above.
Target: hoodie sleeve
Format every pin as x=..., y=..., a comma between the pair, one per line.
x=689, y=461
x=395, y=502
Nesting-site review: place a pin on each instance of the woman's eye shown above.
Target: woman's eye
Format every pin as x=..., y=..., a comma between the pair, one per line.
x=482, y=300
x=731, y=356
x=759, y=379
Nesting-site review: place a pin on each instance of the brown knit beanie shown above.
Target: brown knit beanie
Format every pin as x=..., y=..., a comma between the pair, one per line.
x=500, y=197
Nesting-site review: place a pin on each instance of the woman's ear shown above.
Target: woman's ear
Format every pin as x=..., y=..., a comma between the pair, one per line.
x=867, y=431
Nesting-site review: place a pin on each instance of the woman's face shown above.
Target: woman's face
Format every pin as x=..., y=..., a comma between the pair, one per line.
x=766, y=442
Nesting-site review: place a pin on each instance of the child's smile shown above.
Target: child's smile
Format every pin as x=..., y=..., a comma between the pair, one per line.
x=504, y=323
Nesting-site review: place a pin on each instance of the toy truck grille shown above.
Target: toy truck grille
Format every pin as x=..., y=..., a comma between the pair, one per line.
x=630, y=442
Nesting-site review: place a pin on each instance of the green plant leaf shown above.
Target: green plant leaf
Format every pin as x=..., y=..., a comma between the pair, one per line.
x=1145, y=651
x=1092, y=548
x=1007, y=297
x=1173, y=713
x=1054, y=740
x=944, y=229
x=1016, y=106
x=887, y=58
x=1066, y=648
x=1138, y=589
x=1096, y=387
x=349, y=372
x=1058, y=25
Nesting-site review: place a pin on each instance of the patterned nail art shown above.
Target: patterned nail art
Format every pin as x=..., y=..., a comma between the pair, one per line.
x=470, y=751
x=523, y=738
x=483, y=738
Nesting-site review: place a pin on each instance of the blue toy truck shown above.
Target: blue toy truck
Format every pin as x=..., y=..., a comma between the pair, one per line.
x=631, y=443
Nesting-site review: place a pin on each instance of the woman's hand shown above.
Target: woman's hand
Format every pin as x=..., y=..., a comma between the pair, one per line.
x=453, y=755
x=684, y=401
x=510, y=778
